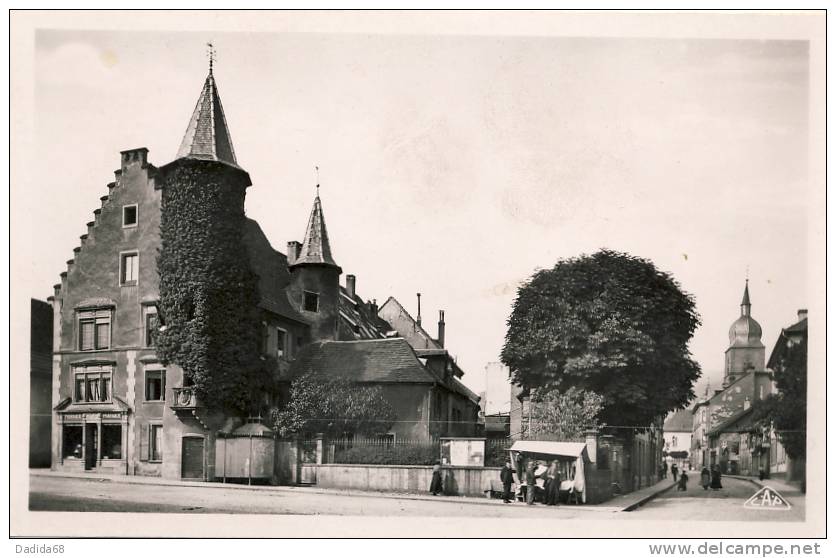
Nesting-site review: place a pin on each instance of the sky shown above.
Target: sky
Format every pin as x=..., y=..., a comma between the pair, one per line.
x=456, y=166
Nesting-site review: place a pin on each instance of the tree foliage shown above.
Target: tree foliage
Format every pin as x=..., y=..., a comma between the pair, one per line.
x=608, y=323
x=786, y=410
x=208, y=293
x=333, y=406
x=564, y=415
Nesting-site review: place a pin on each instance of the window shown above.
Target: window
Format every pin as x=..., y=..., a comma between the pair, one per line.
x=129, y=268
x=129, y=216
x=155, y=385
x=281, y=343
x=94, y=330
x=112, y=441
x=151, y=325
x=71, y=441
x=155, y=443
x=311, y=302
x=92, y=384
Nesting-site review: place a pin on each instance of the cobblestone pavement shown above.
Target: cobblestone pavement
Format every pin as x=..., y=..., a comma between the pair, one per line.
x=726, y=504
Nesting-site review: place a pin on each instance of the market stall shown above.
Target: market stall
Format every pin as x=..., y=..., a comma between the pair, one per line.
x=572, y=460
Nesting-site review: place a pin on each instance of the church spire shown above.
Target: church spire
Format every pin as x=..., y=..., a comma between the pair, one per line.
x=745, y=305
x=207, y=136
x=316, y=248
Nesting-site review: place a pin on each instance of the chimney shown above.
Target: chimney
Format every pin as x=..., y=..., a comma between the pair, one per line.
x=293, y=249
x=441, y=325
x=802, y=314
x=373, y=307
x=132, y=157
x=351, y=285
x=419, y=310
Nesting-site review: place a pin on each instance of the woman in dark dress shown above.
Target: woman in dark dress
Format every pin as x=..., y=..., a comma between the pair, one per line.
x=705, y=478
x=715, y=478
x=435, y=485
x=552, y=484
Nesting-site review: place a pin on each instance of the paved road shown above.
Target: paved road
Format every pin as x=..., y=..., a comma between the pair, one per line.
x=71, y=494
x=725, y=504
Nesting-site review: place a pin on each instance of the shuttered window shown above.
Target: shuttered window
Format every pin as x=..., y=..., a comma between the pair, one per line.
x=86, y=328
x=144, y=438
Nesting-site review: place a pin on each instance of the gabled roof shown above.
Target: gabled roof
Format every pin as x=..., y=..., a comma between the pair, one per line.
x=207, y=135
x=357, y=320
x=733, y=423
x=372, y=361
x=430, y=342
x=316, y=248
x=680, y=421
x=799, y=327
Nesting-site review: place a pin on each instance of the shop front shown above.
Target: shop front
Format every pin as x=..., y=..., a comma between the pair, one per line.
x=92, y=438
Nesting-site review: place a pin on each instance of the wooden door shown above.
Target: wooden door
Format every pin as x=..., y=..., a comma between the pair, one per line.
x=91, y=449
x=193, y=458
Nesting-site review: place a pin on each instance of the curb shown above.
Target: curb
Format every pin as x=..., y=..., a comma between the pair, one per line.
x=648, y=498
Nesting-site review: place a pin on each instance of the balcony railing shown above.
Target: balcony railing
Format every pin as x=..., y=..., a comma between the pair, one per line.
x=184, y=398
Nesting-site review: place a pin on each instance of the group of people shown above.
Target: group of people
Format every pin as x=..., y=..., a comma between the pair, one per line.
x=708, y=478
x=529, y=473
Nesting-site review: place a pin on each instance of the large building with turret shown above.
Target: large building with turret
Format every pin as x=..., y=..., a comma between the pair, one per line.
x=722, y=419
x=118, y=408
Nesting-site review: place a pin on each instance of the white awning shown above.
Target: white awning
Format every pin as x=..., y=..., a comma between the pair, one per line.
x=564, y=449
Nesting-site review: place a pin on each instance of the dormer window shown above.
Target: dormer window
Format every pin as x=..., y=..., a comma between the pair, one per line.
x=129, y=216
x=311, y=302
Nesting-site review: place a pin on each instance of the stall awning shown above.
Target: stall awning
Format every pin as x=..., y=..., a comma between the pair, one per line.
x=564, y=449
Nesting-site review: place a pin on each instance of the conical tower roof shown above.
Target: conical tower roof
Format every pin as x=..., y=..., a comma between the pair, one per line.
x=316, y=248
x=207, y=136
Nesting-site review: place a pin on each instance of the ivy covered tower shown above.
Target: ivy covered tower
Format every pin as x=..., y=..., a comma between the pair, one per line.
x=746, y=352
x=315, y=277
x=208, y=292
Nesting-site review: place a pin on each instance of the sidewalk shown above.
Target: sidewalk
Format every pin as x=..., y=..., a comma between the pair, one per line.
x=779, y=485
x=622, y=503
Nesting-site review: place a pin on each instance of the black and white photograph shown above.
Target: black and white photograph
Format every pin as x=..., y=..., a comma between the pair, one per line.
x=417, y=274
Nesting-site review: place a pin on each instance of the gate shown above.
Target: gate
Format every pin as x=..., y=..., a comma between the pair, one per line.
x=193, y=458
x=308, y=458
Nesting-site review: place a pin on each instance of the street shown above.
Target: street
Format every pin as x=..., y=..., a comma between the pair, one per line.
x=726, y=504
x=70, y=494
x=102, y=495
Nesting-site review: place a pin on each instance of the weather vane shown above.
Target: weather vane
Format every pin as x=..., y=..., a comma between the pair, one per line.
x=212, y=54
x=317, y=179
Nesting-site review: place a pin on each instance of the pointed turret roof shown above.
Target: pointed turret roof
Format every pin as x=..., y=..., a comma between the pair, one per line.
x=316, y=249
x=207, y=136
x=745, y=301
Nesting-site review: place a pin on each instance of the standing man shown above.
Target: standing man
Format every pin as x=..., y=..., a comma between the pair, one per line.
x=664, y=469
x=531, y=482
x=674, y=471
x=507, y=478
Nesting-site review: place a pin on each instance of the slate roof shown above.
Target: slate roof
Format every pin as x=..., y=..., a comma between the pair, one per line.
x=734, y=420
x=316, y=248
x=357, y=321
x=273, y=275
x=680, y=421
x=373, y=361
x=800, y=327
x=207, y=135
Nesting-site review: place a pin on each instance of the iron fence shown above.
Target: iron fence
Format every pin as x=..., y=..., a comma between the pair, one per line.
x=384, y=450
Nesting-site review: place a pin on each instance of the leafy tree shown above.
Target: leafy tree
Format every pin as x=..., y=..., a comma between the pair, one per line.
x=786, y=411
x=335, y=407
x=208, y=293
x=608, y=323
x=564, y=415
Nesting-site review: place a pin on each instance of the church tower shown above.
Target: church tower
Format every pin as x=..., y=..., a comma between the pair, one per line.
x=746, y=352
x=315, y=277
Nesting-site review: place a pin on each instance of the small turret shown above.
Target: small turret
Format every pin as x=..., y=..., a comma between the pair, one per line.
x=315, y=277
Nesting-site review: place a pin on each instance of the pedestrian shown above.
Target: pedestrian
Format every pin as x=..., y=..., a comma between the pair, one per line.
x=435, y=485
x=705, y=478
x=507, y=478
x=716, y=478
x=553, y=484
x=682, y=485
x=664, y=469
x=530, y=482
x=674, y=471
